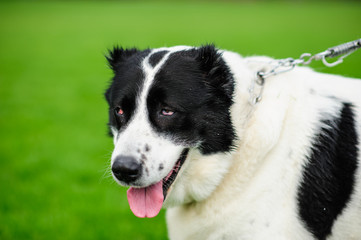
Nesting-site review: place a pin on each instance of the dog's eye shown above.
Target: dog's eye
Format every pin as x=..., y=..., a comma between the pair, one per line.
x=118, y=111
x=119, y=116
x=167, y=112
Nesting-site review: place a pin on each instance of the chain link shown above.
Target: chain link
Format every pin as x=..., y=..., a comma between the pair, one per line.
x=287, y=64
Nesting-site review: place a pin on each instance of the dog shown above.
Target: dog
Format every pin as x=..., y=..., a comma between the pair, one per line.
x=189, y=137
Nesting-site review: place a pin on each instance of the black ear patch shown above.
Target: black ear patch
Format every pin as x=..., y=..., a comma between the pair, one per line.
x=118, y=55
x=208, y=57
x=217, y=72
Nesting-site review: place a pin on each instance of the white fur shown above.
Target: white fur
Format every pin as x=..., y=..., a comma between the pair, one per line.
x=254, y=191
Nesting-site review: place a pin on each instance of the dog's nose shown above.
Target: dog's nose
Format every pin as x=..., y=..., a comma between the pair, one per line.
x=126, y=169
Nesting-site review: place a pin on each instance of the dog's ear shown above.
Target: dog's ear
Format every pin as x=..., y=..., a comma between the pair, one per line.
x=117, y=55
x=207, y=57
x=217, y=72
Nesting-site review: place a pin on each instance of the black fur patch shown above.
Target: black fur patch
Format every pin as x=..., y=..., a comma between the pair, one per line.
x=118, y=55
x=329, y=176
x=155, y=58
x=197, y=86
x=126, y=83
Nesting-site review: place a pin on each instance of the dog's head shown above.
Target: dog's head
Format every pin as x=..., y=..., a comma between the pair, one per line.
x=167, y=108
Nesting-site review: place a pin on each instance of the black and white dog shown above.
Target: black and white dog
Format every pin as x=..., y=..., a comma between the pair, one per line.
x=187, y=138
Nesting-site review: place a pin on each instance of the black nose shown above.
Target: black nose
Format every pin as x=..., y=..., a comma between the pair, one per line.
x=126, y=169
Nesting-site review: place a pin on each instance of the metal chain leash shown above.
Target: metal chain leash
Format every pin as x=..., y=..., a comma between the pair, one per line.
x=287, y=64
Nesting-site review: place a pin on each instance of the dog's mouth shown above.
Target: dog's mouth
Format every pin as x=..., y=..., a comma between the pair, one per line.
x=148, y=201
x=169, y=179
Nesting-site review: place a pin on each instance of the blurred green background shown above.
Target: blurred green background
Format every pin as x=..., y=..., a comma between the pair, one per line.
x=54, y=150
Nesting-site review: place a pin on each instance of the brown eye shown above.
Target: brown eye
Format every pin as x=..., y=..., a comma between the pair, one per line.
x=167, y=112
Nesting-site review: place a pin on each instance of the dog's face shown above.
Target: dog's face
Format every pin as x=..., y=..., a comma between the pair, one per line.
x=163, y=105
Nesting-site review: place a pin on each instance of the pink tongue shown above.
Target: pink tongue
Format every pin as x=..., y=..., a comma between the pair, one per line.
x=146, y=202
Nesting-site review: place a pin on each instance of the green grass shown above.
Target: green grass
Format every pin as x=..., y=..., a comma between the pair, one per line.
x=54, y=152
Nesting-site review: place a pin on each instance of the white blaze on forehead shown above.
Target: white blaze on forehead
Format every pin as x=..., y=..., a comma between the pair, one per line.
x=149, y=73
